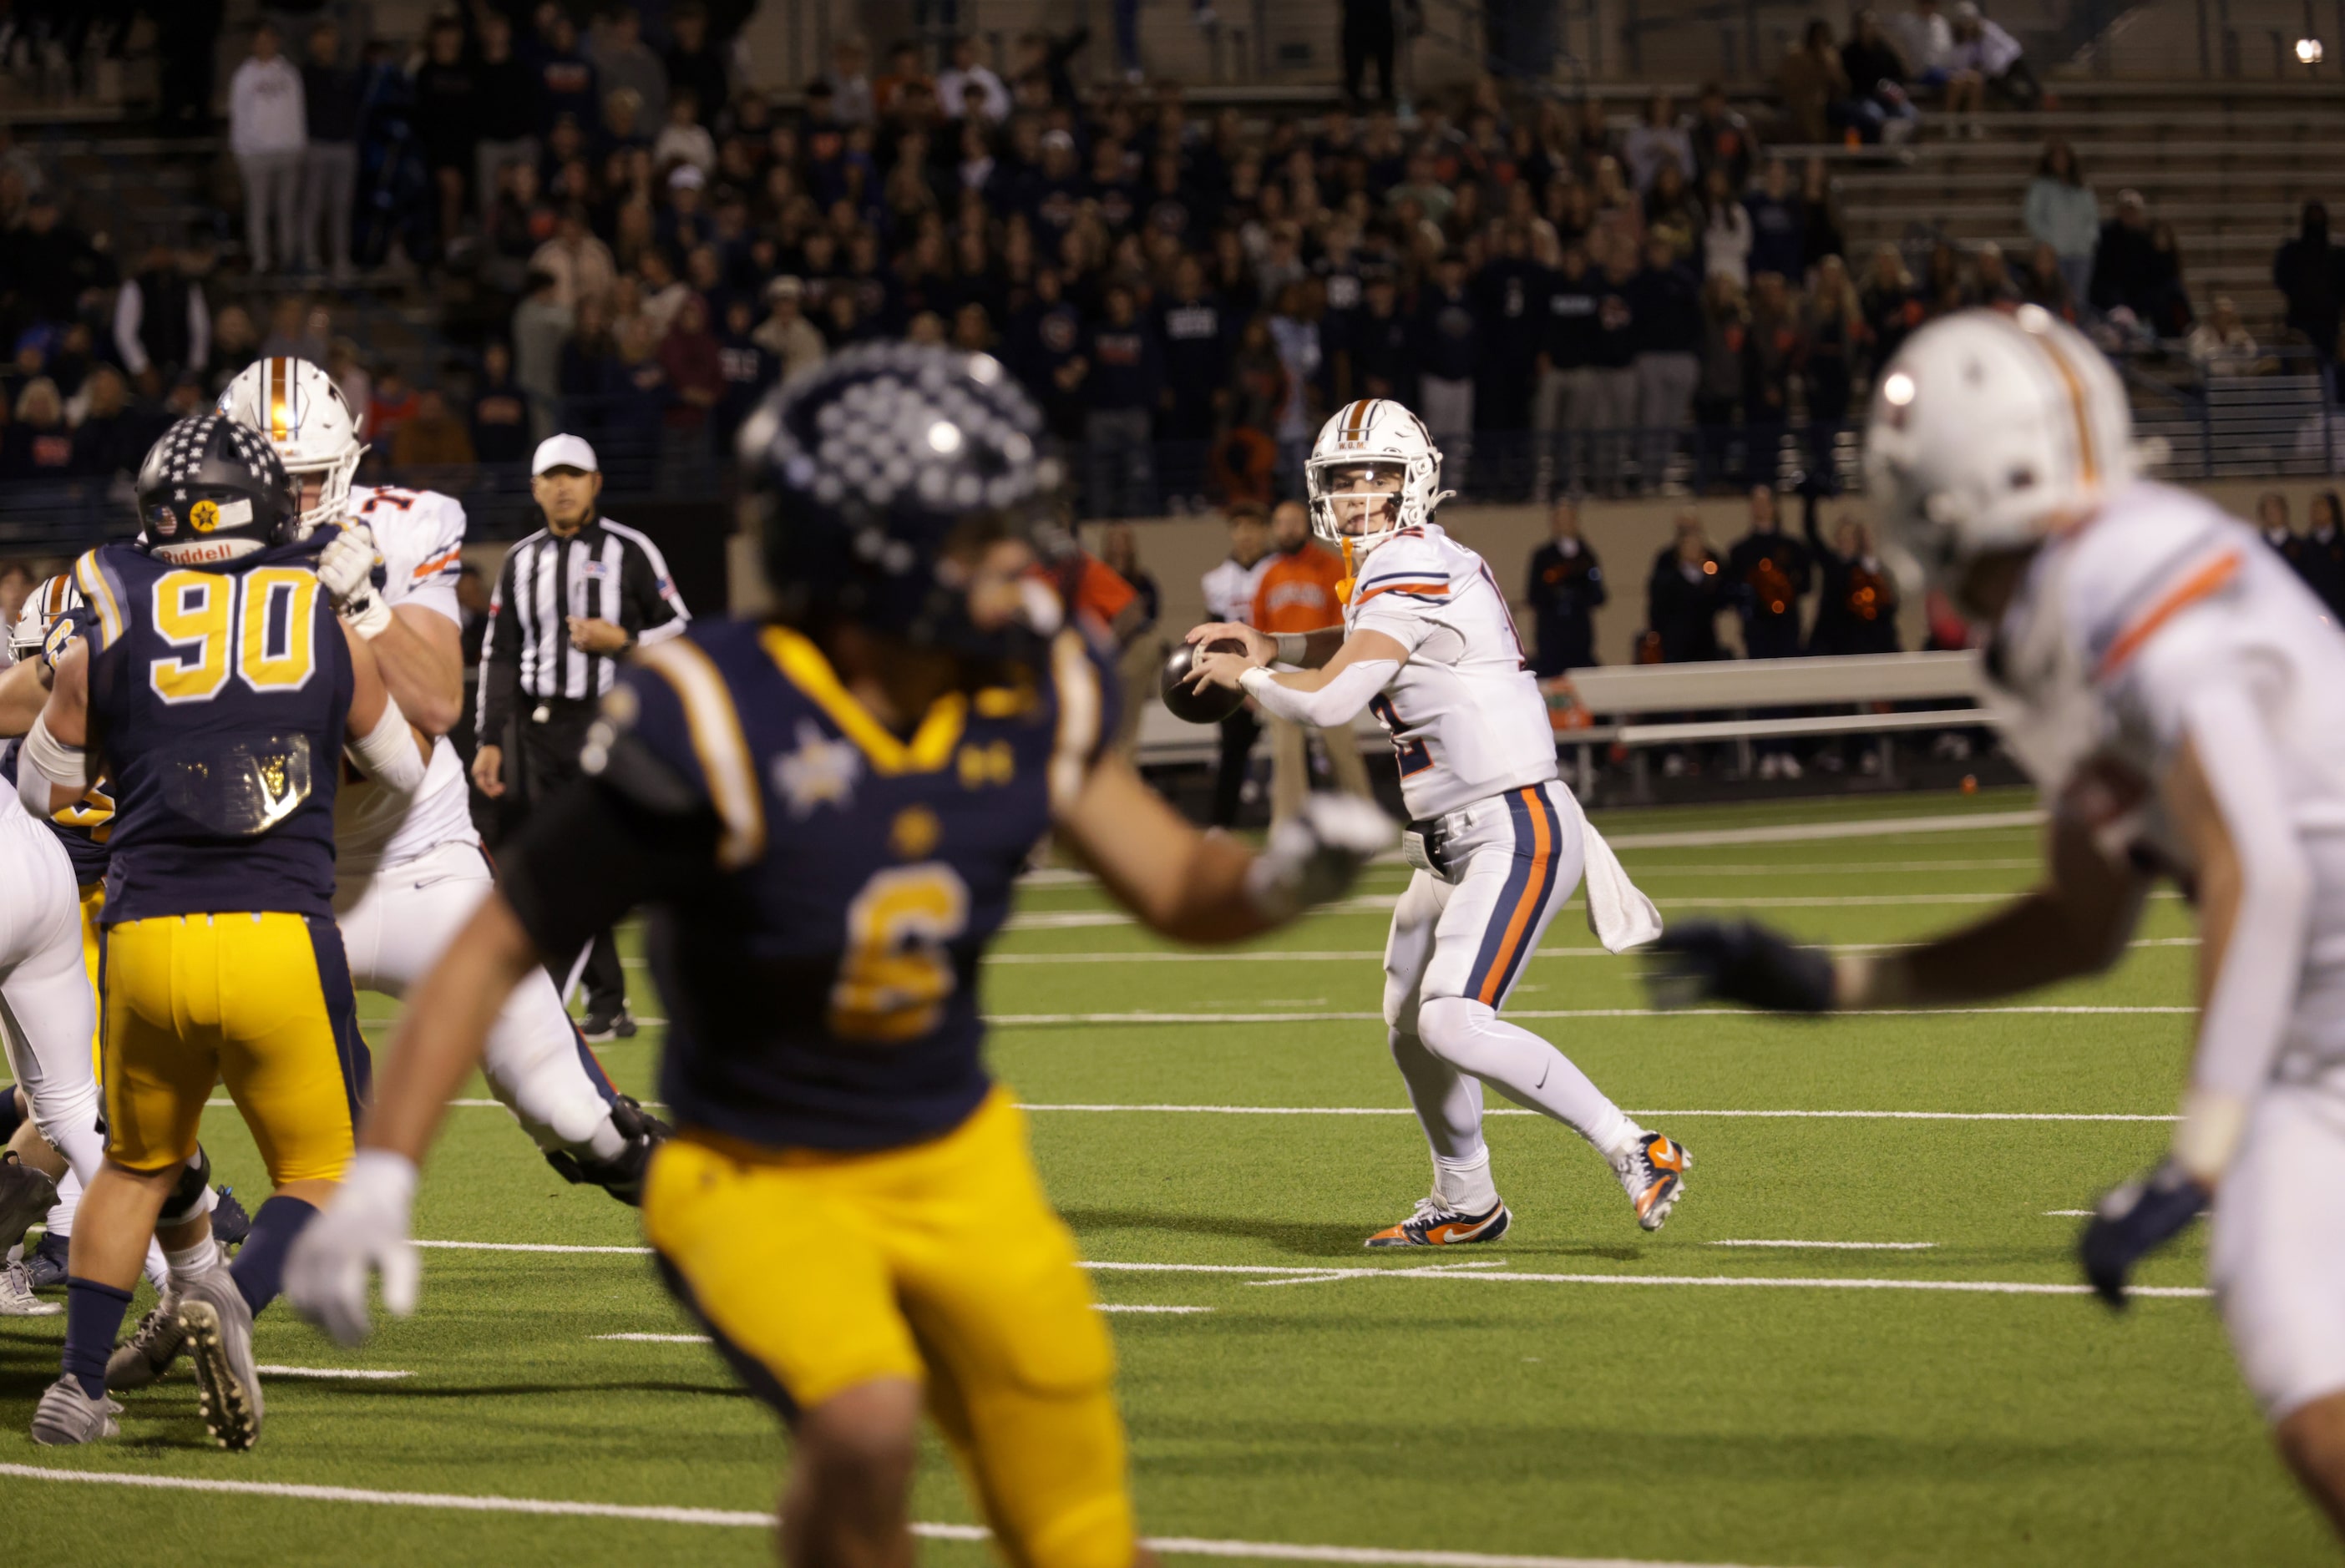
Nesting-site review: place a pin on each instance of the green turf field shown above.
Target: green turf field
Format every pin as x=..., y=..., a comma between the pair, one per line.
x=1588, y=1393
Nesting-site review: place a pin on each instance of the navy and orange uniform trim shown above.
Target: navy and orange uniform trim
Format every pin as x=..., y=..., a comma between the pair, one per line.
x=1531, y=885
x=820, y=959
x=220, y=695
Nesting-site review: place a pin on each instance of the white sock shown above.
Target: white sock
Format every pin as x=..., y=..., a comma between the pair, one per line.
x=157, y=1269
x=1464, y=1185
x=190, y=1264
x=606, y=1143
x=1470, y=1036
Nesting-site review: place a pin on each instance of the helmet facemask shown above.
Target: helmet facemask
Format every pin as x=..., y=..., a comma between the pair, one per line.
x=334, y=476
x=1358, y=502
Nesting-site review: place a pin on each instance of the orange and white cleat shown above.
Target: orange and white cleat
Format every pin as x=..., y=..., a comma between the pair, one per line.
x=1652, y=1171
x=1436, y=1224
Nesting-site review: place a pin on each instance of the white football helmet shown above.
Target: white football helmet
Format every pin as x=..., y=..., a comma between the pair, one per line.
x=1989, y=432
x=305, y=418
x=53, y=598
x=1370, y=435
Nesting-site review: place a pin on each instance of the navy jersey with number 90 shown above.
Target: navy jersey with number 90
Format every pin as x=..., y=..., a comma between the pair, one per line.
x=219, y=695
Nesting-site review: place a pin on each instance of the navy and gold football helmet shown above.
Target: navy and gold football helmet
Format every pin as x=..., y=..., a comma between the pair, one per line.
x=212, y=489
x=874, y=466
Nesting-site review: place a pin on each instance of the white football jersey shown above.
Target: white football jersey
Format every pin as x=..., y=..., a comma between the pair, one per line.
x=419, y=535
x=1466, y=715
x=1229, y=588
x=2121, y=626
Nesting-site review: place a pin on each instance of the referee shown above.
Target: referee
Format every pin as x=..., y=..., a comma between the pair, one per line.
x=571, y=601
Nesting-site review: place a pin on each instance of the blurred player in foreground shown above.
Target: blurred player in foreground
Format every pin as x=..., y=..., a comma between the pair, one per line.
x=216, y=690
x=828, y=812
x=2172, y=689
x=1429, y=645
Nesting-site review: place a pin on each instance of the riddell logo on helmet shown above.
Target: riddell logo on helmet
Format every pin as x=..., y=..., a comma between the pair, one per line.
x=199, y=550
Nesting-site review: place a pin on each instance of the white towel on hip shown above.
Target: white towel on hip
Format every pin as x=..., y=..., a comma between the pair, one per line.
x=1618, y=912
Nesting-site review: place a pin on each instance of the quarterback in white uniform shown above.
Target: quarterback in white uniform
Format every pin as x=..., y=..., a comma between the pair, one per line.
x=1499, y=844
x=409, y=871
x=2179, y=696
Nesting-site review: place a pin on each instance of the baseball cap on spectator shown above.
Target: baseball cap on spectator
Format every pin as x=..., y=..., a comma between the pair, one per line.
x=564, y=451
x=1057, y=139
x=785, y=288
x=686, y=176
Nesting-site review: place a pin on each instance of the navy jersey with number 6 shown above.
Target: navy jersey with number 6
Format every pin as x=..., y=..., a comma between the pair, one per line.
x=823, y=888
x=217, y=696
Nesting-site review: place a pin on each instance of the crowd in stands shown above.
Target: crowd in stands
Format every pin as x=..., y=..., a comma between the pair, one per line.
x=1574, y=306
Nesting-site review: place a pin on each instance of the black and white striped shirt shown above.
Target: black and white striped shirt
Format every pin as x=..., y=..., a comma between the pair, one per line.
x=605, y=572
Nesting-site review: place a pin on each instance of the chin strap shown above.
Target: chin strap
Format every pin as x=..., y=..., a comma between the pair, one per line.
x=1351, y=576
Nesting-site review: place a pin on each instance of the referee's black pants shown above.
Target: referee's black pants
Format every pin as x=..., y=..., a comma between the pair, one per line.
x=1239, y=732
x=548, y=760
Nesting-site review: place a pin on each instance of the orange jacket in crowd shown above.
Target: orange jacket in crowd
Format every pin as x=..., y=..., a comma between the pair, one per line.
x=1297, y=591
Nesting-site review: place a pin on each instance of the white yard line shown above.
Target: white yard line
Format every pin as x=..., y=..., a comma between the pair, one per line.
x=1807, y=832
x=1041, y=1020
x=1383, y=903
x=1376, y=955
x=658, y=1339
x=1177, y=1546
x=381, y=1374
x=1129, y=1307
x=533, y=1247
x=1510, y=1110
x=1837, y=1246
x=2070, y=1213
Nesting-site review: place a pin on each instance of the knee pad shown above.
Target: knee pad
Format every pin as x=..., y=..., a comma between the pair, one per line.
x=1400, y=1005
x=1447, y=1026
x=192, y=1197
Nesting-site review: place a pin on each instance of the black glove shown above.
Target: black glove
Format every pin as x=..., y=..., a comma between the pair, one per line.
x=2135, y=1220
x=1739, y=961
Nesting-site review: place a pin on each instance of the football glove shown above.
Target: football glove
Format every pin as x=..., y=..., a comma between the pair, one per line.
x=1313, y=856
x=1739, y=961
x=2135, y=1220
x=346, y=568
x=63, y=633
x=363, y=1231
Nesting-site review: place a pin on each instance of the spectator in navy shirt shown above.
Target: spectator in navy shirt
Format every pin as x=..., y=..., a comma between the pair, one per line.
x=1778, y=225
x=748, y=367
x=1567, y=388
x=1448, y=346
x=500, y=413
x=1123, y=374
x=1194, y=332
x=566, y=80
x=1666, y=302
x=1566, y=587
x=1045, y=351
x=1382, y=362
x=1513, y=301
x=1614, y=356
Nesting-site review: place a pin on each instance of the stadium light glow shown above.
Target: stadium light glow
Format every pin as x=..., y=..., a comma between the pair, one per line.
x=2308, y=51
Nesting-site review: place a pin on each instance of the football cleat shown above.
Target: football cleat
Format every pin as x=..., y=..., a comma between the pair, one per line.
x=44, y=1261
x=600, y=1027
x=66, y=1415
x=16, y=1297
x=1653, y=1174
x=218, y=1328
x=230, y=1223
x=25, y=1195
x=148, y=1353
x=1436, y=1224
x=621, y=1176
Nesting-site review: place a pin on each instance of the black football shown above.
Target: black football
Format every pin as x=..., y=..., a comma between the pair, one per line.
x=1211, y=704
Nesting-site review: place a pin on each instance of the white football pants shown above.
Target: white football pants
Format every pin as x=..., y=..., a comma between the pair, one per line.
x=46, y=1012
x=2277, y=1257
x=1460, y=937
x=397, y=922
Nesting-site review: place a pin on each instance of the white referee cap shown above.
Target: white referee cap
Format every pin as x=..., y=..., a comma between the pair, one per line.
x=564, y=452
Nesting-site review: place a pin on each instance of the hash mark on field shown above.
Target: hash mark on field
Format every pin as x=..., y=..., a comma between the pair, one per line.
x=1178, y=1545
x=1839, y=1246
x=1128, y=1307
x=377, y=1373
x=660, y=1339
x=2070, y=1213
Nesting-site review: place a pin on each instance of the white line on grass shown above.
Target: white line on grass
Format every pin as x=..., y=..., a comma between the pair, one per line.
x=1383, y=903
x=659, y=1338
x=1177, y=1546
x=1376, y=955
x=1746, y=1115
x=1041, y=1020
x=1838, y=1246
x=378, y=1374
x=533, y=1246
x=2070, y=1213
x=1128, y=1307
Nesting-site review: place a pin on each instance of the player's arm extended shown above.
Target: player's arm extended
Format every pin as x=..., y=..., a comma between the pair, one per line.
x=1208, y=888
x=422, y=652
x=2075, y=923
x=383, y=740
x=1304, y=650
x=1329, y=696
x=54, y=767
x=23, y=695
